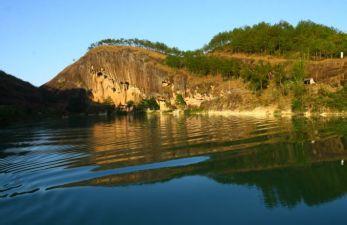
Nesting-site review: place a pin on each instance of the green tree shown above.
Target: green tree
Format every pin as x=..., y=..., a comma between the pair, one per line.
x=298, y=71
x=108, y=105
x=180, y=100
x=148, y=104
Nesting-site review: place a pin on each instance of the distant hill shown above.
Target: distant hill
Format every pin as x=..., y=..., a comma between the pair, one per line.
x=14, y=91
x=19, y=100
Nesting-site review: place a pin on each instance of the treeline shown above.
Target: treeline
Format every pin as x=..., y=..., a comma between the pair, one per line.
x=149, y=45
x=257, y=74
x=307, y=38
x=201, y=64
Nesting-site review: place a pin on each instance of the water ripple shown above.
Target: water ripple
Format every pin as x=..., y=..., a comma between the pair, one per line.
x=51, y=154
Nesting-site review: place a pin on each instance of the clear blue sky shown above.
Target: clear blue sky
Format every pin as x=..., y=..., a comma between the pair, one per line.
x=38, y=38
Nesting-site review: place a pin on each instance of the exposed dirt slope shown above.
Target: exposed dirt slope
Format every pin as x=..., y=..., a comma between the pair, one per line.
x=323, y=71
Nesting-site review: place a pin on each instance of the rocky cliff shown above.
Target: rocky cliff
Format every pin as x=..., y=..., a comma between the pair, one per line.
x=122, y=74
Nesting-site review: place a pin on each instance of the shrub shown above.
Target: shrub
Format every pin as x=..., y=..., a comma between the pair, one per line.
x=148, y=104
x=298, y=71
x=297, y=105
x=130, y=103
x=180, y=100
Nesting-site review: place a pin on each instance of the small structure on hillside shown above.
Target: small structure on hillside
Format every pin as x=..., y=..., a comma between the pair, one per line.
x=341, y=55
x=309, y=81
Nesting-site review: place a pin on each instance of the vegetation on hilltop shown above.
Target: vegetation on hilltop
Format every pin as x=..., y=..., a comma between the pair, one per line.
x=306, y=38
x=149, y=45
x=201, y=64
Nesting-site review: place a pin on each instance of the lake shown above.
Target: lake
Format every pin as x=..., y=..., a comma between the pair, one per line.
x=166, y=169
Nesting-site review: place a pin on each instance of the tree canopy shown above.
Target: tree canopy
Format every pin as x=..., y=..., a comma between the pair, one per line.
x=202, y=64
x=307, y=37
x=153, y=46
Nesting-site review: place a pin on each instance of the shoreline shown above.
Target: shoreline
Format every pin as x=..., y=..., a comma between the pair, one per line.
x=256, y=112
x=259, y=113
x=270, y=112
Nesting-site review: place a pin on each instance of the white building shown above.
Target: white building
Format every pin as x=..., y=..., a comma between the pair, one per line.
x=341, y=55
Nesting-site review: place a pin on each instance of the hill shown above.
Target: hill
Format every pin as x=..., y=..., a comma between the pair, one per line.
x=19, y=99
x=233, y=72
x=123, y=74
x=14, y=91
x=119, y=75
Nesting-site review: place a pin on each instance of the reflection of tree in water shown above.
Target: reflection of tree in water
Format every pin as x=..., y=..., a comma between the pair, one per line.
x=304, y=129
x=287, y=174
x=313, y=184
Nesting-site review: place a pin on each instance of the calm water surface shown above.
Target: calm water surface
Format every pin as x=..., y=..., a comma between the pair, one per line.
x=162, y=169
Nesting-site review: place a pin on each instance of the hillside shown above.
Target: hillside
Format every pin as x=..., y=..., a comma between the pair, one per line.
x=329, y=71
x=232, y=72
x=14, y=91
x=19, y=99
x=131, y=74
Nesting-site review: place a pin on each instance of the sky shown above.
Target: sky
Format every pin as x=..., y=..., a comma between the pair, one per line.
x=39, y=38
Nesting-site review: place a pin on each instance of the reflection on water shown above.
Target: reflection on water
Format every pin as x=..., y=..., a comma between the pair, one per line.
x=287, y=161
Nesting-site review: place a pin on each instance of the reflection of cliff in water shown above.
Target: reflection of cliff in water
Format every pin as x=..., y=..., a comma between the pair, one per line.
x=286, y=173
x=129, y=142
x=163, y=138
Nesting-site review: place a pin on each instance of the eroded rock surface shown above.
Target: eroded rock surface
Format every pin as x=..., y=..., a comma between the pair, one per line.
x=121, y=73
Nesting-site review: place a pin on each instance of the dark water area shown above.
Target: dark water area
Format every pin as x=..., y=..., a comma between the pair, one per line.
x=165, y=169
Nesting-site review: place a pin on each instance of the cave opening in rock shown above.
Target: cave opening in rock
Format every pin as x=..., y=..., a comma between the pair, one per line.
x=125, y=85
